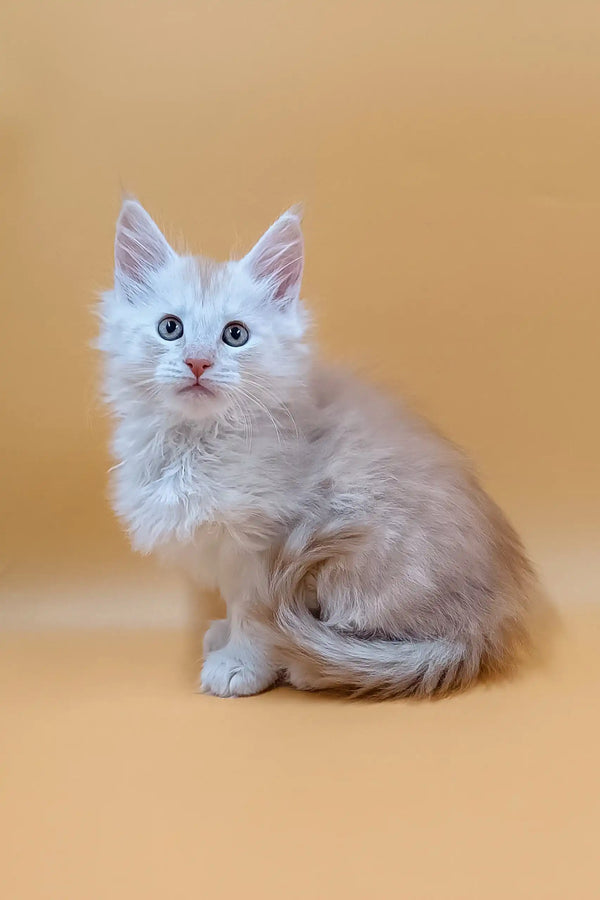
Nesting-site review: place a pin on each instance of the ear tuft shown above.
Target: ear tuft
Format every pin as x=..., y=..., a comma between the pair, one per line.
x=277, y=260
x=141, y=249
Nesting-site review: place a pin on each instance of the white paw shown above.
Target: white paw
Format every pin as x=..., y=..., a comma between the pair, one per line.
x=297, y=677
x=230, y=673
x=217, y=635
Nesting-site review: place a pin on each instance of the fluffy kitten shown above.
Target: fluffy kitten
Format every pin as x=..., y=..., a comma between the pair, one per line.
x=353, y=546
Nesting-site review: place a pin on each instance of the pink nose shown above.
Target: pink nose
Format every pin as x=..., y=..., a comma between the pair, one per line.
x=198, y=366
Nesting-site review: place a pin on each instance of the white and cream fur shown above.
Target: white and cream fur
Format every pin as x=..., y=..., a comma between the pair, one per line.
x=352, y=545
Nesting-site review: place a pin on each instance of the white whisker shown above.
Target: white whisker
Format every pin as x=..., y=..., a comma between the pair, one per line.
x=280, y=403
x=261, y=406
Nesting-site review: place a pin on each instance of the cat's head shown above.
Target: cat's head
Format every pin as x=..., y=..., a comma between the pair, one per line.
x=196, y=338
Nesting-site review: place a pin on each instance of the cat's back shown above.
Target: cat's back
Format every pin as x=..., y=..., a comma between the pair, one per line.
x=404, y=477
x=371, y=428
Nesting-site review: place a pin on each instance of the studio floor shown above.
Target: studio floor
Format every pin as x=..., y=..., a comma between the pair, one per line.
x=119, y=781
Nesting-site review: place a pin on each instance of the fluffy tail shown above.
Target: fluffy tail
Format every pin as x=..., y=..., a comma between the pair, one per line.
x=320, y=656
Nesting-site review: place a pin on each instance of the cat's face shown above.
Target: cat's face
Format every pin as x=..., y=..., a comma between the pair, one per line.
x=195, y=338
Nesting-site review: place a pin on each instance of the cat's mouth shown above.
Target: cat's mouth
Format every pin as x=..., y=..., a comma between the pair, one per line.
x=199, y=389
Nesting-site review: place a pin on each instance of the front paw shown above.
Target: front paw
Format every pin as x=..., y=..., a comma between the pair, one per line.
x=230, y=673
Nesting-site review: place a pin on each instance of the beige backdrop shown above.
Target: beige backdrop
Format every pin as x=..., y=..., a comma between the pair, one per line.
x=448, y=157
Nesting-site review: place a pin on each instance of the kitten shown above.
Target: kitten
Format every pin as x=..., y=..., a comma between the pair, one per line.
x=353, y=546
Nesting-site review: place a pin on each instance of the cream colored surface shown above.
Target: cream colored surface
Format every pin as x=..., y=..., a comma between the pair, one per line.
x=447, y=154
x=124, y=784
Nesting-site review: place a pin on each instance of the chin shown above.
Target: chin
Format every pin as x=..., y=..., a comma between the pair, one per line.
x=199, y=405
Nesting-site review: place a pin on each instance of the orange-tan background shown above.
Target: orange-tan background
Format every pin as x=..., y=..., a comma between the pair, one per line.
x=448, y=157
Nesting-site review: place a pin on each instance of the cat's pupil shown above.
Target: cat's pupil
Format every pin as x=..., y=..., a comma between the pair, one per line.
x=171, y=326
x=235, y=334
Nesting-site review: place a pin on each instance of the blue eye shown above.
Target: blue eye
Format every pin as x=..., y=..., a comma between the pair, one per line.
x=235, y=334
x=170, y=328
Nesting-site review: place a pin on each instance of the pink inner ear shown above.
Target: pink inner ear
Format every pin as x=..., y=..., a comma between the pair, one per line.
x=140, y=247
x=278, y=258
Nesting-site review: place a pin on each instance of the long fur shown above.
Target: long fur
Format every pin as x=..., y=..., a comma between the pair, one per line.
x=353, y=545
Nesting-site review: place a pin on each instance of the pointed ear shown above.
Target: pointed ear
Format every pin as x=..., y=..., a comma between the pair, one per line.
x=141, y=249
x=277, y=260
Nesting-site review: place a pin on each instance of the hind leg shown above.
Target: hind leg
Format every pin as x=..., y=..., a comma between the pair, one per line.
x=297, y=676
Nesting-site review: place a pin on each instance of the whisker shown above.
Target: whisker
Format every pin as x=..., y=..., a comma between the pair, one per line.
x=246, y=421
x=280, y=403
x=262, y=407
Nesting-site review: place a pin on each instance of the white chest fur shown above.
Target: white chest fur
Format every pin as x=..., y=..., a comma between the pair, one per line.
x=172, y=482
